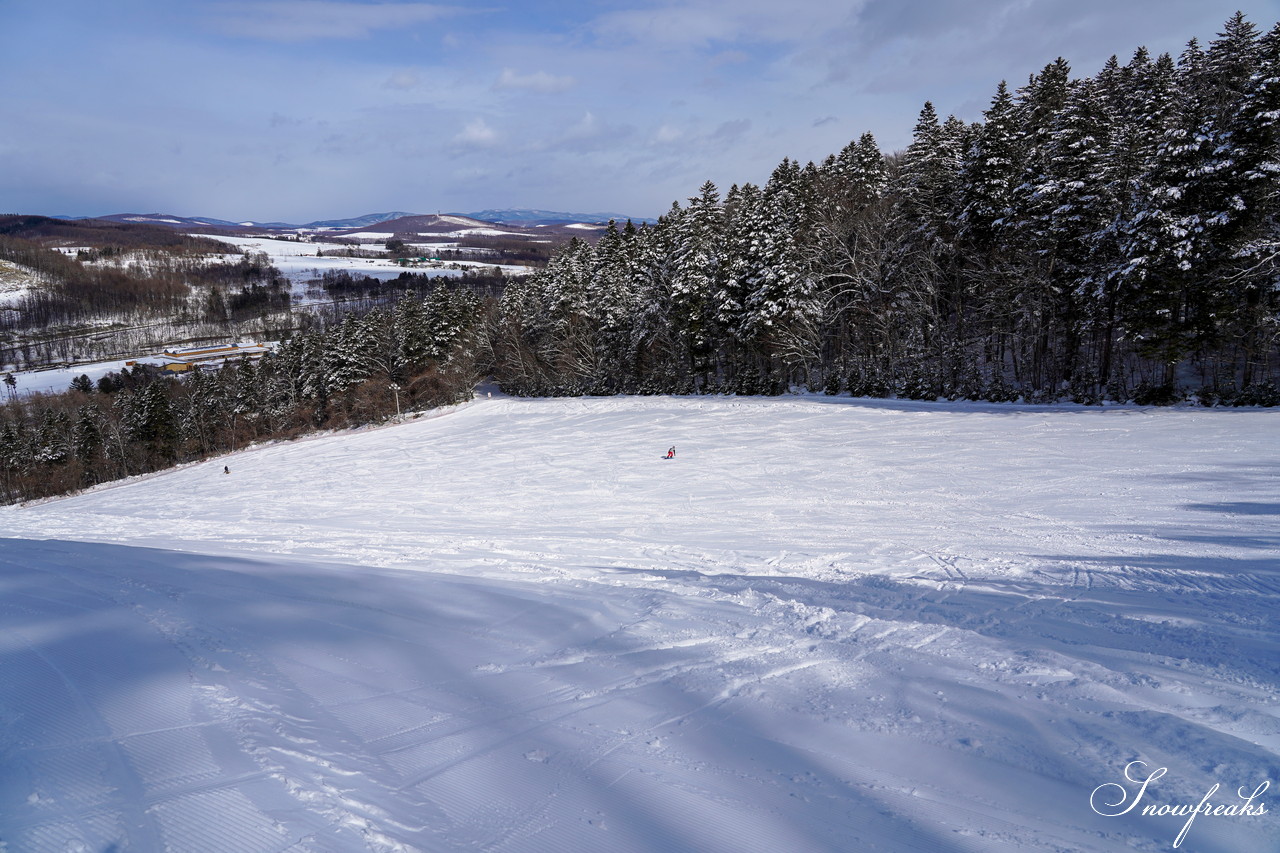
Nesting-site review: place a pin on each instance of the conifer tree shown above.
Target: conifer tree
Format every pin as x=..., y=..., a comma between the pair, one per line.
x=699, y=233
x=990, y=173
x=87, y=439
x=53, y=438
x=150, y=423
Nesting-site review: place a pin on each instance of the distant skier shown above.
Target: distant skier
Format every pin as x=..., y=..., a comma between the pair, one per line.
x=226, y=470
x=671, y=454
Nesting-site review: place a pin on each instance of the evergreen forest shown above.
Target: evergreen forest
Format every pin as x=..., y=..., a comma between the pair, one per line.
x=1112, y=237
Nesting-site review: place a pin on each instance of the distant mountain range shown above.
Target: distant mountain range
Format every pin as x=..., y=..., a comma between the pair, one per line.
x=186, y=222
x=357, y=221
x=514, y=216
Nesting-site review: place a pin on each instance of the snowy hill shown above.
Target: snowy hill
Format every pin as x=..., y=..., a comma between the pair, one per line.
x=170, y=220
x=521, y=217
x=365, y=221
x=190, y=222
x=524, y=216
x=825, y=625
x=438, y=224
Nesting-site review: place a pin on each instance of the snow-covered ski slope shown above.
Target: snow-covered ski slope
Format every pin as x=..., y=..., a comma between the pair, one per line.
x=825, y=625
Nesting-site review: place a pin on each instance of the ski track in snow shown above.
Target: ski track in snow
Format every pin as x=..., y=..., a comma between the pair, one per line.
x=826, y=625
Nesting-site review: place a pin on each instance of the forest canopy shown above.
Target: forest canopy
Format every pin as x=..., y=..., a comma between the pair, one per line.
x=1112, y=237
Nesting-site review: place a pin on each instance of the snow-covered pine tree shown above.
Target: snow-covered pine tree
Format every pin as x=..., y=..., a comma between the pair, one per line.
x=248, y=401
x=411, y=320
x=987, y=258
x=781, y=312
x=87, y=440
x=924, y=189
x=847, y=212
x=612, y=308
x=150, y=423
x=53, y=438
x=1071, y=209
x=569, y=347
x=200, y=411
x=1030, y=295
x=297, y=375
x=989, y=173
x=1228, y=65
x=743, y=266
x=926, y=178
x=699, y=260
x=15, y=458
x=659, y=361
x=1250, y=273
x=341, y=361
x=1150, y=237
x=517, y=330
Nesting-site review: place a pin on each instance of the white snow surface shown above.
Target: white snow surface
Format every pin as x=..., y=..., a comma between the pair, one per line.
x=371, y=235
x=297, y=260
x=826, y=624
x=275, y=248
x=482, y=232
x=16, y=281
x=465, y=221
x=57, y=380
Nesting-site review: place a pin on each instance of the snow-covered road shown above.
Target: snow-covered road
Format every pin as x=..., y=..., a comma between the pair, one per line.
x=825, y=625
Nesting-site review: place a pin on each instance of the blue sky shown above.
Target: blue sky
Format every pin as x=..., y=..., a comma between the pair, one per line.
x=307, y=109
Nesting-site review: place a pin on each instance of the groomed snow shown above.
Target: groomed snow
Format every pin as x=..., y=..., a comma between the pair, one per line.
x=825, y=625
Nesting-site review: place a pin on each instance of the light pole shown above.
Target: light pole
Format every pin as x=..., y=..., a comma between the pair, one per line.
x=395, y=389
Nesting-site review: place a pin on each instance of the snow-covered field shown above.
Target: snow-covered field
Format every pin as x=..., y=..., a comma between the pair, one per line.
x=298, y=262
x=825, y=625
x=58, y=379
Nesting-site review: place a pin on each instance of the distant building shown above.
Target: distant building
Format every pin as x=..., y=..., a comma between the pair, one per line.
x=182, y=360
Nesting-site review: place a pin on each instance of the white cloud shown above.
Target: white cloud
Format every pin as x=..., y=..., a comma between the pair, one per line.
x=538, y=81
x=586, y=126
x=305, y=20
x=668, y=134
x=403, y=79
x=705, y=22
x=477, y=133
